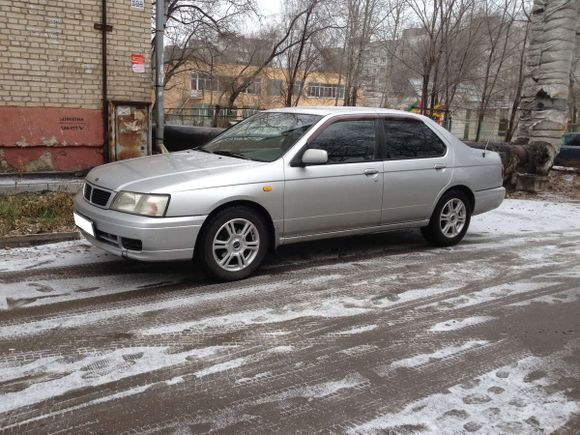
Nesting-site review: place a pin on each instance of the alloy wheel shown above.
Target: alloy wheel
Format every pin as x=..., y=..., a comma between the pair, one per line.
x=452, y=218
x=236, y=244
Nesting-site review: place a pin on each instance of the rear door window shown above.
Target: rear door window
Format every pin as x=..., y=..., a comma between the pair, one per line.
x=410, y=139
x=348, y=141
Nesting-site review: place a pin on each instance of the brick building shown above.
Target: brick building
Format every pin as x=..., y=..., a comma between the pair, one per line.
x=54, y=115
x=195, y=90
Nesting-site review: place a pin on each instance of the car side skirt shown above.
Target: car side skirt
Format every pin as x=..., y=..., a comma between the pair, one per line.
x=354, y=231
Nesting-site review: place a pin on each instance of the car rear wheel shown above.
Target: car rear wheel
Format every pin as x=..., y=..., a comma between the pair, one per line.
x=233, y=244
x=450, y=219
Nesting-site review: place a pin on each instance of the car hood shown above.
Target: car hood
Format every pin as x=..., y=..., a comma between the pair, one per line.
x=160, y=172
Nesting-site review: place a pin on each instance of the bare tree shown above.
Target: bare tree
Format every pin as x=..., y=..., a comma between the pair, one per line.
x=520, y=83
x=364, y=19
x=192, y=28
x=302, y=56
x=497, y=30
x=279, y=44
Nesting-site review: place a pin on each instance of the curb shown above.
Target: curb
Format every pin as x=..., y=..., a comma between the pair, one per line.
x=37, y=239
x=69, y=187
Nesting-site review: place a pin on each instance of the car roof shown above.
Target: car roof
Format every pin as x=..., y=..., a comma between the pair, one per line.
x=344, y=110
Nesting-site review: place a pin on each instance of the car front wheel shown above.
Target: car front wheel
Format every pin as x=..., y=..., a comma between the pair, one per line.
x=450, y=219
x=233, y=244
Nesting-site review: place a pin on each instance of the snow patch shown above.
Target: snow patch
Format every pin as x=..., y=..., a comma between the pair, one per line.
x=525, y=216
x=281, y=349
x=317, y=391
x=78, y=252
x=424, y=358
x=358, y=330
x=320, y=279
x=566, y=296
x=253, y=378
x=456, y=324
x=44, y=292
x=175, y=380
x=326, y=308
x=87, y=318
x=63, y=374
x=217, y=368
x=510, y=403
x=489, y=294
x=357, y=350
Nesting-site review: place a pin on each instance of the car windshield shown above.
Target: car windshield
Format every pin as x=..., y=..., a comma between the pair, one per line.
x=263, y=137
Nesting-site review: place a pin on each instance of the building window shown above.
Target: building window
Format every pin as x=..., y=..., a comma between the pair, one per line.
x=203, y=82
x=323, y=90
x=254, y=88
x=274, y=88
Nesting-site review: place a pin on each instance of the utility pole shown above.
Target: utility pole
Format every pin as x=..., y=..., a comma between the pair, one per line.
x=159, y=75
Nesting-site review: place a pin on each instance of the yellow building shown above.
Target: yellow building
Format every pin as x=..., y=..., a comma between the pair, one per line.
x=193, y=93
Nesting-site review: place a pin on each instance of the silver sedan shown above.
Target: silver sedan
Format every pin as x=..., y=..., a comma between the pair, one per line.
x=285, y=176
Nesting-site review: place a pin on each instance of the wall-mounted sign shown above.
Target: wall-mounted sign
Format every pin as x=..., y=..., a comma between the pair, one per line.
x=138, y=4
x=138, y=63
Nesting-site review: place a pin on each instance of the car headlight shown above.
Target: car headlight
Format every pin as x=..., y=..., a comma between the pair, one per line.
x=141, y=203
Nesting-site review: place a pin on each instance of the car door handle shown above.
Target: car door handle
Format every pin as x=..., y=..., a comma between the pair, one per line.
x=371, y=171
x=439, y=167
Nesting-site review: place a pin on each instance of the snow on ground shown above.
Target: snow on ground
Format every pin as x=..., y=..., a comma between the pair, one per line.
x=555, y=298
x=87, y=318
x=506, y=400
x=456, y=324
x=358, y=330
x=318, y=390
x=519, y=216
x=436, y=282
x=228, y=365
x=51, y=291
x=62, y=375
x=438, y=354
x=326, y=308
x=489, y=294
x=513, y=218
x=78, y=252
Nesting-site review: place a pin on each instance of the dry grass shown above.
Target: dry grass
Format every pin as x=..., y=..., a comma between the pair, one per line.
x=33, y=213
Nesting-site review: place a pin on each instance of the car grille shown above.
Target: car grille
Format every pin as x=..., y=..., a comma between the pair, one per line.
x=96, y=196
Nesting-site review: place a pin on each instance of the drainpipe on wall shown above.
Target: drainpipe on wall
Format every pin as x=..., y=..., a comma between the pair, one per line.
x=159, y=75
x=104, y=73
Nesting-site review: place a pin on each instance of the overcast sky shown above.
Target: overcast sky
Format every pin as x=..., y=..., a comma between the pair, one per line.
x=268, y=7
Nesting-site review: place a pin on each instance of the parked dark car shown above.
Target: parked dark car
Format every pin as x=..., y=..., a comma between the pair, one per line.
x=570, y=151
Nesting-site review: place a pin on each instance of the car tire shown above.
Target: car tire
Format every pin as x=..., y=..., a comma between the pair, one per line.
x=450, y=219
x=233, y=243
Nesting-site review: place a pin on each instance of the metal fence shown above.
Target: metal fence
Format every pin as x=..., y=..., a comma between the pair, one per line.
x=214, y=116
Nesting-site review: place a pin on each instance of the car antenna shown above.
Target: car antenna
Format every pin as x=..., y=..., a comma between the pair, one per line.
x=485, y=149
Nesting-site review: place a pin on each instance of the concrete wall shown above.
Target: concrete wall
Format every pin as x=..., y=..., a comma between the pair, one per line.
x=51, y=79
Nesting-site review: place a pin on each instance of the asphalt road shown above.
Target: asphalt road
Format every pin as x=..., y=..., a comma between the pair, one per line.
x=361, y=335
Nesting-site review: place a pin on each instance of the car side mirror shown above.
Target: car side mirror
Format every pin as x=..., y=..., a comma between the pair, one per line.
x=314, y=157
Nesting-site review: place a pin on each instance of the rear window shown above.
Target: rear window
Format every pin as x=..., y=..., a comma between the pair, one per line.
x=410, y=139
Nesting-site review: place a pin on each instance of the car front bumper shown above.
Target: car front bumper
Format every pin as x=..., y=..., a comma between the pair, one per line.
x=162, y=239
